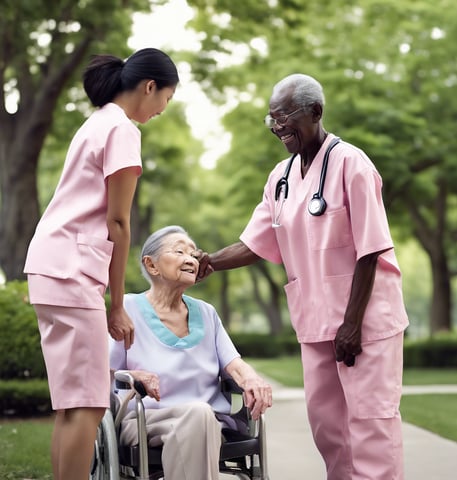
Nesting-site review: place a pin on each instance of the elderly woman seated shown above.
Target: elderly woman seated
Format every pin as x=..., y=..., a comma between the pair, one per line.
x=180, y=351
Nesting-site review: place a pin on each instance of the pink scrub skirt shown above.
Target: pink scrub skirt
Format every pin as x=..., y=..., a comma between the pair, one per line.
x=75, y=349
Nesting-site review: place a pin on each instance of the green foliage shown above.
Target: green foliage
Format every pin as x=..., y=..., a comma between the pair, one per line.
x=265, y=346
x=24, y=397
x=20, y=351
x=436, y=352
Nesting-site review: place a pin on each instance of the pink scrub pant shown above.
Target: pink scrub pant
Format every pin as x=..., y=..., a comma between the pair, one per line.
x=354, y=411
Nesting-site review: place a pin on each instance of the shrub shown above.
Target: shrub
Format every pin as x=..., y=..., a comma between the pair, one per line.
x=439, y=351
x=20, y=350
x=264, y=345
x=24, y=397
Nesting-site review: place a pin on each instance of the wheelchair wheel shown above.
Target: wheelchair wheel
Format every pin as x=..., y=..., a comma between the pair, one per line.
x=105, y=462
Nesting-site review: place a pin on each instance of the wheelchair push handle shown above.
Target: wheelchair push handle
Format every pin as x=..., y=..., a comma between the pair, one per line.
x=125, y=381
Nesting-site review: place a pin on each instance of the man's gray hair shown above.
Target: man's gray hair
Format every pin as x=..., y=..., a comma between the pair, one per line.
x=306, y=90
x=154, y=245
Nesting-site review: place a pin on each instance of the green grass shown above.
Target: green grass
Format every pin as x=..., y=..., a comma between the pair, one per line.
x=24, y=449
x=434, y=412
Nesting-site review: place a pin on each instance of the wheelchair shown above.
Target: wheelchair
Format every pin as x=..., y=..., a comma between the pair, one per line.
x=243, y=454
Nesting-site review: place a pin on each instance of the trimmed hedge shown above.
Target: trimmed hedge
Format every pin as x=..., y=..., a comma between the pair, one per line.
x=264, y=345
x=436, y=352
x=24, y=397
x=20, y=350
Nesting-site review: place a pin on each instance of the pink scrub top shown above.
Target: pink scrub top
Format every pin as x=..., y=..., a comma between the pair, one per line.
x=319, y=253
x=68, y=258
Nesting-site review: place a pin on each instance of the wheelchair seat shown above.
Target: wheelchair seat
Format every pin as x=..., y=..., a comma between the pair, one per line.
x=242, y=454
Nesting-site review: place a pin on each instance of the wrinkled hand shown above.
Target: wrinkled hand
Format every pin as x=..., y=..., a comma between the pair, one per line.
x=257, y=396
x=120, y=326
x=150, y=382
x=348, y=343
x=205, y=268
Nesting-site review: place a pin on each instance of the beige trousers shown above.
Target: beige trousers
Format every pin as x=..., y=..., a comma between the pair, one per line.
x=190, y=435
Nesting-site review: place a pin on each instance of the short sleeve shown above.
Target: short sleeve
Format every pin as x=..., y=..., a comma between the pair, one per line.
x=370, y=227
x=122, y=149
x=259, y=235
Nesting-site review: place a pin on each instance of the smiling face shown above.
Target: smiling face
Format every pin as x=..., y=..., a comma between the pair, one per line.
x=152, y=101
x=176, y=263
x=301, y=130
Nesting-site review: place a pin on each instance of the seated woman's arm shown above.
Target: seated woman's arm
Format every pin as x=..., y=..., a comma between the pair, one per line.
x=257, y=392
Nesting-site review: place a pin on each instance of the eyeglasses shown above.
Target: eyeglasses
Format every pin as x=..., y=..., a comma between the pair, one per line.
x=280, y=121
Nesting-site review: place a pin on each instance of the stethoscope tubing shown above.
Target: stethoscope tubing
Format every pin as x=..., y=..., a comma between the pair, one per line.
x=317, y=204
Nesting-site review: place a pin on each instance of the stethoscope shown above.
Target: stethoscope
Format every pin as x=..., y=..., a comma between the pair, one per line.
x=317, y=204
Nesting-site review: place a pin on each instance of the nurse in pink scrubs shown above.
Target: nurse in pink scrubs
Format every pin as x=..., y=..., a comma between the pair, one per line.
x=344, y=292
x=81, y=246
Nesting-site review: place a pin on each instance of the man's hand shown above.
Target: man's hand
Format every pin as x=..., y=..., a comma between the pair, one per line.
x=205, y=269
x=348, y=345
x=120, y=326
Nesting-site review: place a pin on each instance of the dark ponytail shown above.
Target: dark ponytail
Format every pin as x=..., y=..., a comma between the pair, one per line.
x=106, y=75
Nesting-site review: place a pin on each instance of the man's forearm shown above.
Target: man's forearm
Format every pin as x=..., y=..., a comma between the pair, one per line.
x=233, y=256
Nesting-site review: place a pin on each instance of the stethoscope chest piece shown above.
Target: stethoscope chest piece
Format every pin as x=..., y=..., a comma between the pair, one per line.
x=317, y=205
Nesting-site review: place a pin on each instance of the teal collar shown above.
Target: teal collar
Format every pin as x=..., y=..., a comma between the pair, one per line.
x=166, y=336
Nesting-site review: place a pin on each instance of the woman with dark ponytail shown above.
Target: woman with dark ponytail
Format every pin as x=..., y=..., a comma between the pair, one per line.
x=81, y=246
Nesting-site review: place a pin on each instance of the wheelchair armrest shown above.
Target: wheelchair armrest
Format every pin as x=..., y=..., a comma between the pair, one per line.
x=125, y=381
x=228, y=385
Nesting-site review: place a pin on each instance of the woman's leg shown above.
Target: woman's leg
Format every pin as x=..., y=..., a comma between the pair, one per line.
x=190, y=435
x=73, y=440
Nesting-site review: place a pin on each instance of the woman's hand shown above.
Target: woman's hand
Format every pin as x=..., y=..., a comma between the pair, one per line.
x=120, y=326
x=150, y=382
x=257, y=392
x=257, y=395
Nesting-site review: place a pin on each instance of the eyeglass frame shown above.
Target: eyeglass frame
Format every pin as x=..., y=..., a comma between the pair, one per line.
x=271, y=122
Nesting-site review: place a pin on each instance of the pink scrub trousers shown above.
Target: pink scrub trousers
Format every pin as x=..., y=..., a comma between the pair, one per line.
x=354, y=411
x=74, y=342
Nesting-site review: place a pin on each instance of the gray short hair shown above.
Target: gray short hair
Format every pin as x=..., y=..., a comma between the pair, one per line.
x=306, y=90
x=154, y=245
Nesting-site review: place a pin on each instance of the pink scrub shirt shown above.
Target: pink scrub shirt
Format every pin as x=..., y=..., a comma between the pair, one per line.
x=319, y=253
x=69, y=256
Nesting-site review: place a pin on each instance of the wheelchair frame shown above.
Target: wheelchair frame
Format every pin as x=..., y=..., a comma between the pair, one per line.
x=243, y=456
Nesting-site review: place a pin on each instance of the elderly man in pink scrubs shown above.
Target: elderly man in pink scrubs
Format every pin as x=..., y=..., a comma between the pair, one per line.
x=324, y=220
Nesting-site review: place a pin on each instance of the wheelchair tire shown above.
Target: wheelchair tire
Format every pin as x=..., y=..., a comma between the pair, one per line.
x=105, y=462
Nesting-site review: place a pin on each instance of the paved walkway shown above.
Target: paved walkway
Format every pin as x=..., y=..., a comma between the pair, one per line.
x=293, y=456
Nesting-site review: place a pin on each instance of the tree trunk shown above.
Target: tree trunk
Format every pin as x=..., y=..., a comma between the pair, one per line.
x=441, y=304
x=270, y=306
x=19, y=211
x=21, y=140
x=431, y=238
